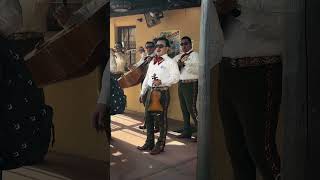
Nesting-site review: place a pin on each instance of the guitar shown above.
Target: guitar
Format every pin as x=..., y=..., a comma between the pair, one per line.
x=74, y=51
x=134, y=76
x=155, y=97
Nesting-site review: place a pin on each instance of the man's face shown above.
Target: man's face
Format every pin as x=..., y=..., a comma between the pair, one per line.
x=150, y=48
x=186, y=45
x=161, y=48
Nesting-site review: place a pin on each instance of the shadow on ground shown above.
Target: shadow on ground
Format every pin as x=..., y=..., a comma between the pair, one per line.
x=127, y=162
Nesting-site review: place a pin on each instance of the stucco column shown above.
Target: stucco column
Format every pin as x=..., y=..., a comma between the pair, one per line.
x=211, y=44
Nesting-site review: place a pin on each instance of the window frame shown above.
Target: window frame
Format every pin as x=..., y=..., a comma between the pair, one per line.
x=126, y=42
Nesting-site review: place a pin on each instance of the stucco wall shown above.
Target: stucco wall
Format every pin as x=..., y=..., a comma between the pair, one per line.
x=185, y=20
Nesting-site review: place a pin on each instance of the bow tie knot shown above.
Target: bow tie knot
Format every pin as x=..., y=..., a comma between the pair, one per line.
x=158, y=60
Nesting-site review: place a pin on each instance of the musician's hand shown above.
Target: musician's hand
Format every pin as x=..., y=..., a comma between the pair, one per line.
x=130, y=67
x=98, y=120
x=148, y=59
x=62, y=15
x=156, y=82
x=40, y=44
x=141, y=99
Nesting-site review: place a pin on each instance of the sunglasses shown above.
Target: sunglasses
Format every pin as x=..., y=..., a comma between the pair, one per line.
x=160, y=46
x=148, y=47
x=184, y=44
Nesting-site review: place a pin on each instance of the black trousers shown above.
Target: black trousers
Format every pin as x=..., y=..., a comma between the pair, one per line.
x=161, y=116
x=188, y=93
x=156, y=120
x=249, y=100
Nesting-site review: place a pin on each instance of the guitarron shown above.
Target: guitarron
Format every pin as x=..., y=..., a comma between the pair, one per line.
x=72, y=52
x=155, y=104
x=134, y=76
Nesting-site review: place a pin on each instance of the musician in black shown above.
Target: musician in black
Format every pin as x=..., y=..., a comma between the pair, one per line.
x=250, y=77
x=150, y=47
x=188, y=62
x=162, y=73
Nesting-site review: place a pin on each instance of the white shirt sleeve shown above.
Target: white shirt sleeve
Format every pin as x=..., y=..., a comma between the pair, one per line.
x=112, y=64
x=174, y=74
x=103, y=98
x=211, y=44
x=145, y=83
x=121, y=61
x=177, y=57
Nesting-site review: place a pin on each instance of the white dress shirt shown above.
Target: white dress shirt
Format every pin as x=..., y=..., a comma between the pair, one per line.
x=10, y=17
x=191, y=68
x=256, y=32
x=112, y=62
x=167, y=72
x=118, y=63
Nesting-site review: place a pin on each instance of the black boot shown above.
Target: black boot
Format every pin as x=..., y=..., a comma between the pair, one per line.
x=146, y=147
x=184, y=135
x=179, y=130
x=143, y=126
x=157, y=149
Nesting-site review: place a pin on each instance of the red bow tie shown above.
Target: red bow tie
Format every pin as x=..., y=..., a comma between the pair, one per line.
x=158, y=60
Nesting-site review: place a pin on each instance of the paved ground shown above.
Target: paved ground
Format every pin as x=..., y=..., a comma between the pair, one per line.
x=61, y=167
x=31, y=173
x=127, y=163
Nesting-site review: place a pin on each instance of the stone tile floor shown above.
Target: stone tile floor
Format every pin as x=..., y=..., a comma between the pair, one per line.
x=127, y=163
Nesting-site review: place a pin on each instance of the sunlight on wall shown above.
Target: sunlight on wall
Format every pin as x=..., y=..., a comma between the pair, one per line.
x=173, y=20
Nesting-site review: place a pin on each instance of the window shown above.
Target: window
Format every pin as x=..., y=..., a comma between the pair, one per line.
x=126, y=35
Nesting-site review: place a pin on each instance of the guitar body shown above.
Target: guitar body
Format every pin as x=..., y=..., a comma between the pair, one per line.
x=134, y=76
x=71, y=53
x=155, y=104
